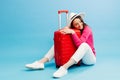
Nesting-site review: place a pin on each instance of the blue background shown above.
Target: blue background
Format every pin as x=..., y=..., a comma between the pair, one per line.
x=26, y=34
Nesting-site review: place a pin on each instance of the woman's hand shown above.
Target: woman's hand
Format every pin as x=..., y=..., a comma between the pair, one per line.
x=67, y=30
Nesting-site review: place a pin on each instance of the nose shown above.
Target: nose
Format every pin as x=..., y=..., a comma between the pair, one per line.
x=79, y=24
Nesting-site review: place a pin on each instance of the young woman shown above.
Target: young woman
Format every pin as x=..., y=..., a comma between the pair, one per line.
x=85, y=47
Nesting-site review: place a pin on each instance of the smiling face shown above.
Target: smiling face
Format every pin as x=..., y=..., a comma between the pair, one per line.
x=77, y=24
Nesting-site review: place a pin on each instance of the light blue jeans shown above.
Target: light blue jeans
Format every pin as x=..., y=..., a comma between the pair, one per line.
x=84, y=53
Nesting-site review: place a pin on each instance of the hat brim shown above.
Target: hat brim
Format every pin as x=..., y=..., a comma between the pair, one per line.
x=79, y=14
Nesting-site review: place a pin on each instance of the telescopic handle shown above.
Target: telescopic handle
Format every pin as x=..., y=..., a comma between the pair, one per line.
x=59, y=17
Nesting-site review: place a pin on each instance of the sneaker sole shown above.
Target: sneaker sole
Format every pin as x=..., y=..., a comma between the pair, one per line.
x=34, y=68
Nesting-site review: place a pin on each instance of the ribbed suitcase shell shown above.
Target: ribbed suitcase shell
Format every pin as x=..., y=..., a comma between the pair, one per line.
x=64, y=47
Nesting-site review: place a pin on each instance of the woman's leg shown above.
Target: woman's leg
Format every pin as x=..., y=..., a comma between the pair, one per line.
x=48, y=56
x=83, y=52
x=40, y=64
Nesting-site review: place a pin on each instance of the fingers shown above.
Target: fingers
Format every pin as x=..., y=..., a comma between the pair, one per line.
x=63, y=31
x=66, y=31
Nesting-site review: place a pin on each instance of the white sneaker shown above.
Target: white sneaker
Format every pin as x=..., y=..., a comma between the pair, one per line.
x=35, y=65
x=60, y=72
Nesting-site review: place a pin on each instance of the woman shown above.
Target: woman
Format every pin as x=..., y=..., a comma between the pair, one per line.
x=84, y=52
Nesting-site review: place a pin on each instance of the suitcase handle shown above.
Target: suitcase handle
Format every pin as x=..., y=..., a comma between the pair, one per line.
x=62, y=11
x=59, y=17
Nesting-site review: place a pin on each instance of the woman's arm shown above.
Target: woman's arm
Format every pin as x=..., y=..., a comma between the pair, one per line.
x=67, y=30
x=85, y=34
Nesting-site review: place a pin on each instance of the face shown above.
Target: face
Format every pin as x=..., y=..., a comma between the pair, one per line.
x=78, y=24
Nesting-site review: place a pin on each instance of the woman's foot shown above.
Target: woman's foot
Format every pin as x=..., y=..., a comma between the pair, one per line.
x=35, y=65
x=60, y=72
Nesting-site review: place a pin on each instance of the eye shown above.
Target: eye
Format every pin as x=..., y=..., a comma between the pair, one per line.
x=76, y=24
x=80, y=22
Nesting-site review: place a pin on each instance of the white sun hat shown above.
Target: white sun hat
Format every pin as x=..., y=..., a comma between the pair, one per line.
x=72, y=16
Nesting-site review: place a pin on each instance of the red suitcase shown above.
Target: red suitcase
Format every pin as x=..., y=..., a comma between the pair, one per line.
x=64, y=47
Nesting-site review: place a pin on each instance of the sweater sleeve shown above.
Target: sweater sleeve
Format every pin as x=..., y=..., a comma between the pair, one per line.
x=83, y=38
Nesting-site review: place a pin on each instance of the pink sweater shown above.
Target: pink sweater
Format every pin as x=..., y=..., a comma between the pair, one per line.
x=86, y=36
